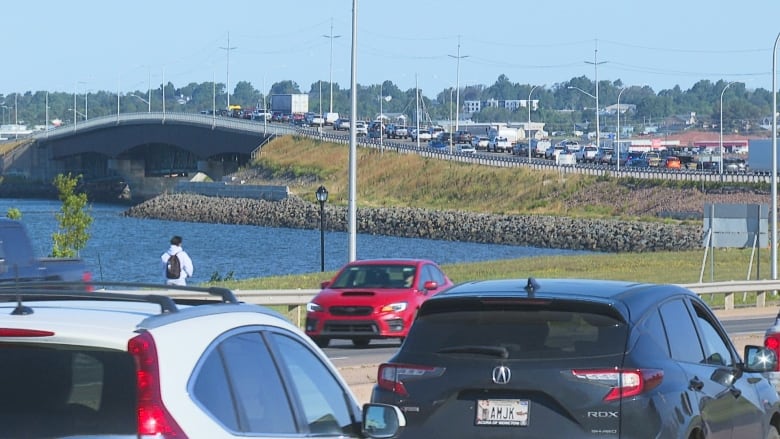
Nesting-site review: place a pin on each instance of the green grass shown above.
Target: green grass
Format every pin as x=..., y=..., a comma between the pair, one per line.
x=408, y=180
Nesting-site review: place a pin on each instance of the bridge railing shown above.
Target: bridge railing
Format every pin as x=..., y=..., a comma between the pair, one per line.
x=295, y=300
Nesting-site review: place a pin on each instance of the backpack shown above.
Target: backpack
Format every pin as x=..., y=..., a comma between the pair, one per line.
x=173, y=267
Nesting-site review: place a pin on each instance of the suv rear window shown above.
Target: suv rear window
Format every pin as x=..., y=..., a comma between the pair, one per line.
x=526, y=334
x=59, y=391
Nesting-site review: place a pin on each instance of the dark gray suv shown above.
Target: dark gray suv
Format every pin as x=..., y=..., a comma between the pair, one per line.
x=576, y=359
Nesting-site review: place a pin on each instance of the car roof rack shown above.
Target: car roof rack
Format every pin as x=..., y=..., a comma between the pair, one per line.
x=122, y=291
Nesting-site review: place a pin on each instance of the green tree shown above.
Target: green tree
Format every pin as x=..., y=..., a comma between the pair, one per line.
x=14, y=213
x=74, y=219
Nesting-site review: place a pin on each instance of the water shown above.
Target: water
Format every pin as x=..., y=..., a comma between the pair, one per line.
x=128, y=249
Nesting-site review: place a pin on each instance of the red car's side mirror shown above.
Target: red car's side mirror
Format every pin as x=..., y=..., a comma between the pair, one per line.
x=431, y=285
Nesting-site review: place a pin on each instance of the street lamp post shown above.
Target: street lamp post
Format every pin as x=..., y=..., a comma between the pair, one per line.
x=598, y=134
x=322, y=197
x=382, y=98
x=330, y=74
x=617, y=147
x=529, y=120
x=720, y=143
x=773, y=222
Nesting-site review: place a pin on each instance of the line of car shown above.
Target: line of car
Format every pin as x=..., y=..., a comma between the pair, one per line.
x=541, y=357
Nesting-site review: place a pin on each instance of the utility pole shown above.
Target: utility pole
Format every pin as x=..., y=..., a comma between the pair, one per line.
x=596, y=64
x=227, y=80
x=330, y=75
x=458, y=57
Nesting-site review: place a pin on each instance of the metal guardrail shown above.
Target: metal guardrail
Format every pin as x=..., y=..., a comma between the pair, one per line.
x=296, y=300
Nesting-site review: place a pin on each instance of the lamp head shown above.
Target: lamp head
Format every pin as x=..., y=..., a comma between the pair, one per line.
x=322, y=194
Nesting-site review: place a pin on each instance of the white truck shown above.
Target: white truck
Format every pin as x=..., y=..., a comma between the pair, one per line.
x=760, y=155
x=539, y=147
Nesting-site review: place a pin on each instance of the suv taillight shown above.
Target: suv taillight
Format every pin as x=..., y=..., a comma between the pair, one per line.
x=772, y=341
x=622, y=383
x=153, y=418
x=393, y=376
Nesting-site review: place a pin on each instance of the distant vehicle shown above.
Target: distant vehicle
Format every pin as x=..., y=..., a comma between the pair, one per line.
x=480, y=143
x=520, y=150
x=330, y=118
x=438, y=144
x=653, y=159
x=539, y=147
x=424, y=135
x=499, y=144
x=672, y=162
x=361, y=129
x=565, y=157
x=587, y=154
x=395, y=131
x=261, y=115
x=341, y=124
x=466, y=148
x=463, y=136
x=553, y=150
x=18, y=262
x=372, y=299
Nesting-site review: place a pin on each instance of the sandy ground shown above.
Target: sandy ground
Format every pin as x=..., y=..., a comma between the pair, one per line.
x=361, y=379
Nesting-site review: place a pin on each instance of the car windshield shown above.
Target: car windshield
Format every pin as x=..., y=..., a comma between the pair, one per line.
x=518, y=334
x=375, y=276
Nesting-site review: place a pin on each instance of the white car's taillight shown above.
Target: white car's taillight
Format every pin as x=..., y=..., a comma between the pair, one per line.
x=154, y=420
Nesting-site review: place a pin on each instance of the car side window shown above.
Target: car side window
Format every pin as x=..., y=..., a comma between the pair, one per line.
x=716, y=349
x=248, y=395
x=426, y=275
x=321, y=395
x=437, y=275
x=681, y=332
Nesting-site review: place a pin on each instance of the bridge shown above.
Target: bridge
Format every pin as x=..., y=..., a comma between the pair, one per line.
x=149, y=151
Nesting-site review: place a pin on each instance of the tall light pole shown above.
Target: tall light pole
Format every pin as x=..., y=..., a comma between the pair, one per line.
x=774, y=158
x=571, y=87
x=227, y=49
x=352, y=214
x=330, y=75
x=529, y=120
x=596, y=63
x=382, y=98
x=617, y=147
x=720, y=143
x=458, y=57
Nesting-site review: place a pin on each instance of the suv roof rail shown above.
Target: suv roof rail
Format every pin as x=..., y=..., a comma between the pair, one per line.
x=53, y=290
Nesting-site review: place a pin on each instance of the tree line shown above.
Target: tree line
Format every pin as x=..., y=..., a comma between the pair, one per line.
x=561, y=106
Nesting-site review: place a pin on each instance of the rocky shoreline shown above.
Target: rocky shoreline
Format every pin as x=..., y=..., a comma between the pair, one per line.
x=604, y=235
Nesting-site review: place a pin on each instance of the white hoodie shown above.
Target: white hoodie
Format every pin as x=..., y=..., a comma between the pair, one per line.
x=186, y=265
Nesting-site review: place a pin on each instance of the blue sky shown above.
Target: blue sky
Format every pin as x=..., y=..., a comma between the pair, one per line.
x=92, y=45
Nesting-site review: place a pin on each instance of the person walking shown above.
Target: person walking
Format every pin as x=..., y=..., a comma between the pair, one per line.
x=176, y=263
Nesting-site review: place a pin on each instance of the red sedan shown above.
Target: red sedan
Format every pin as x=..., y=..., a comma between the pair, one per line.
x=373, y=299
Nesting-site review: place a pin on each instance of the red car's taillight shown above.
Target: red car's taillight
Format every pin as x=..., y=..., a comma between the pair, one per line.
x=153, y=418
x=393, y=376
x=86, y=277
x=622, y=383
x=772, y=341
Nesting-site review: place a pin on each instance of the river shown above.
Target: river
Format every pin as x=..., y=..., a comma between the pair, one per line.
x=128, y=249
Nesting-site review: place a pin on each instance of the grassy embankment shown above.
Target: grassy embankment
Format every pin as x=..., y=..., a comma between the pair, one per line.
x=392, y=179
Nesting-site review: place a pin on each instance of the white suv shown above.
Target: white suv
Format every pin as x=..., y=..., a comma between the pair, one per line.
x=130, y=363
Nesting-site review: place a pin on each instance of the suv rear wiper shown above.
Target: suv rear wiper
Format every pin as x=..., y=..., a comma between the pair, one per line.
x=496, y=351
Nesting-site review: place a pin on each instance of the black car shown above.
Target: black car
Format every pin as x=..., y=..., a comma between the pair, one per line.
x=575, y=358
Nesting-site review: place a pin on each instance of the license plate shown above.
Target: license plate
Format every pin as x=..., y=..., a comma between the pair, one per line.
x=502, y=412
